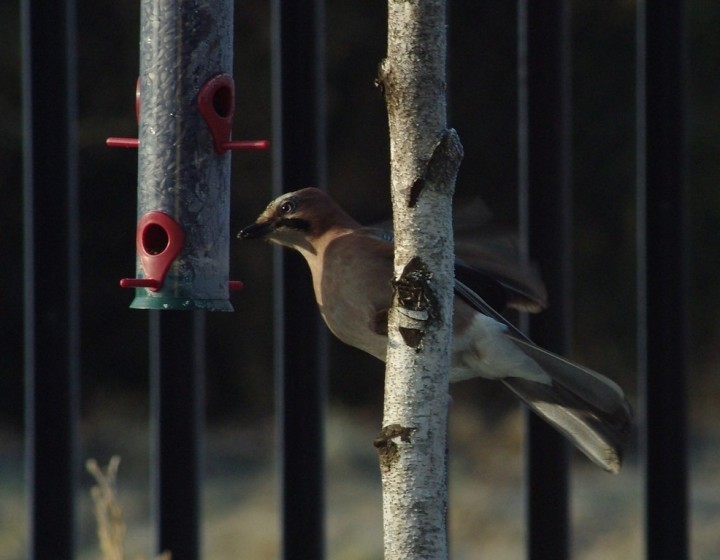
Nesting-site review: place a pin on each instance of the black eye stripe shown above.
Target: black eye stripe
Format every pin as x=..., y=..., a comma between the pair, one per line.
x=294, y=223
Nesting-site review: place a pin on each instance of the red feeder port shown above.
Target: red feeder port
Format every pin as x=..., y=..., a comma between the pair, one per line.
x=216, y=103
x=159, y=240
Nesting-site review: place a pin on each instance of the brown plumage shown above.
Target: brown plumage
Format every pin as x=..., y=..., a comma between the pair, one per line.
x=352, y=267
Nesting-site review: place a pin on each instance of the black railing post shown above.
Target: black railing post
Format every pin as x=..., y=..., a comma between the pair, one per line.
x=662, y=274
x=51, y=274
x=177, y=381
x=299, y=161
x=546, y=216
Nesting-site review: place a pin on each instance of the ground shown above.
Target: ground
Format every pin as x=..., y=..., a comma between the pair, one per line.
x=486, y=492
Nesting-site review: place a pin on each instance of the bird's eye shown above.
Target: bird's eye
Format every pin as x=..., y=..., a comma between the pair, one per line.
x=288, y=206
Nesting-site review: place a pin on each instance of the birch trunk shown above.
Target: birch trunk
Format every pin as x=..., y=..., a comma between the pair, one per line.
x=425, y=157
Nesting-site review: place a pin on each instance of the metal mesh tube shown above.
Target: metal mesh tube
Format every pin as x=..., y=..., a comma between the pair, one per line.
x=183, y=45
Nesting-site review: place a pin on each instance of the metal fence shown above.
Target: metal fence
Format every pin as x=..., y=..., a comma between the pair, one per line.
x=51, y=250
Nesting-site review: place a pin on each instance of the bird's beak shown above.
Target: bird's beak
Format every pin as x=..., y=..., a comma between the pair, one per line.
x=258, y=230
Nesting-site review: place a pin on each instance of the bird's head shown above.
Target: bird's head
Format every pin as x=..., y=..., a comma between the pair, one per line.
x=297, y=219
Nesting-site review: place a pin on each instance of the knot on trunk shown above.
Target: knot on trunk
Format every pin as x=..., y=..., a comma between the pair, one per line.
x=386, y=444
x=416, y=302
x=441, y=169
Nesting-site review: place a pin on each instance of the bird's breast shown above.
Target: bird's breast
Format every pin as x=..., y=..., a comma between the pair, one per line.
x=352, y=286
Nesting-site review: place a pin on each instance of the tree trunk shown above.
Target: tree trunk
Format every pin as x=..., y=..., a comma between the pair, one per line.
x=425, y=157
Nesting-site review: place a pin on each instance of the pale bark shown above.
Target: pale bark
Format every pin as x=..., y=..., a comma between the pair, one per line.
x=425, y=157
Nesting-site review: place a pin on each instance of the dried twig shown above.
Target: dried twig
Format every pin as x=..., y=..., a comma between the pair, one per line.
x=111, y=528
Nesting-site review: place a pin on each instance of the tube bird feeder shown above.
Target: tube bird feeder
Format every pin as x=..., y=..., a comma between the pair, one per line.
x=185, y=106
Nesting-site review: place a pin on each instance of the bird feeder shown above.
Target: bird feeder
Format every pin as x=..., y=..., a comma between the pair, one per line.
x=184, y=106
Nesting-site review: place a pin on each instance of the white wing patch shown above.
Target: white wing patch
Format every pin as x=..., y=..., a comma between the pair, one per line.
x=483, y=350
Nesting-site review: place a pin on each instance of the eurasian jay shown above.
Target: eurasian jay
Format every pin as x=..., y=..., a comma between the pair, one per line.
x=352, y=268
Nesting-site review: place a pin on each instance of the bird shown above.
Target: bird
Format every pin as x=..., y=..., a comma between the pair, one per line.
x=352, y=269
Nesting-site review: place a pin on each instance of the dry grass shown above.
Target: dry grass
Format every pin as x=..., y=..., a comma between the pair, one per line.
x=111, y=527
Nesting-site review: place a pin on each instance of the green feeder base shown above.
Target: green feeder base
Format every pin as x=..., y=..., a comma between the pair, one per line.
x=179, y=303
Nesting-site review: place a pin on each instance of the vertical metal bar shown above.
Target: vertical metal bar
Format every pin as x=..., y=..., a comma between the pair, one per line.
x=546, y=215
x=51, y=265
x=177, y=373
x=299, y=156
x=662, y=274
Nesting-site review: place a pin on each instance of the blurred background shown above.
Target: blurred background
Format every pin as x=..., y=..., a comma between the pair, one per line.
x=240, y=499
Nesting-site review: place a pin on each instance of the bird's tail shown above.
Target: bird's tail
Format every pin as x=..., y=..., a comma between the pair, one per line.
x=588, y=408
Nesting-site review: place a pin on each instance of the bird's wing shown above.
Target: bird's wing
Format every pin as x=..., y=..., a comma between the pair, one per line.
x=495, y=255
x=590, y=384
x=479, y=304
x=489, y=264
x=499, y=286
x=605, y=394
x=588, y=408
